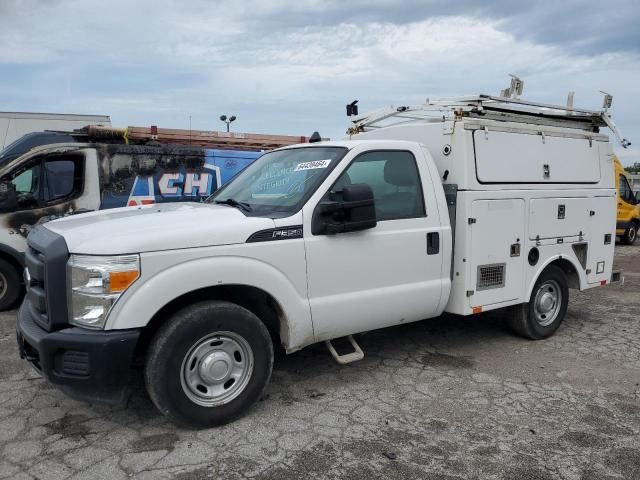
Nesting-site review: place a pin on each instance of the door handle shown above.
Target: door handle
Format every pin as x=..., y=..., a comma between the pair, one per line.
x=433, y=243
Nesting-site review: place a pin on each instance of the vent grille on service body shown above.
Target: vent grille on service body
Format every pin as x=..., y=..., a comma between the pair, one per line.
x=491, y=276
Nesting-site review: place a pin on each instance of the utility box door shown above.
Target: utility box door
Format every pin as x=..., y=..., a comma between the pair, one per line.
x=496, y=252
x=558, y=217
x=525, y=158
x=602, y=239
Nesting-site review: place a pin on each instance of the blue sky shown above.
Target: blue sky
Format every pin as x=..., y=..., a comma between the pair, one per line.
x=290, y=67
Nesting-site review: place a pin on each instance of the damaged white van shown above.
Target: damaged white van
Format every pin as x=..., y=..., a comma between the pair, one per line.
x=459, y=206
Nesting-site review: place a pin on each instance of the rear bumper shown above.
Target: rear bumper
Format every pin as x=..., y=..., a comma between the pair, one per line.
x=87, y=365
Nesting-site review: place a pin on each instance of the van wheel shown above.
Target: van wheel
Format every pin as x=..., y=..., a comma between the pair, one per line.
x=630, y=234
x=209, y=364
x=545, y=311
x=10, y=285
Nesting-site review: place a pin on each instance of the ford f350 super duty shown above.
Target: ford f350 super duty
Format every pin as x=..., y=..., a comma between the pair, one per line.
x=463, y=206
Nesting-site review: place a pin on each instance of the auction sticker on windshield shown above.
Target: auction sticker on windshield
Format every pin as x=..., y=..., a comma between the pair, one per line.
x=312, y=165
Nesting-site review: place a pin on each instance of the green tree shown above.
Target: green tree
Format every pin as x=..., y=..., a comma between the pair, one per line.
x=635, y=168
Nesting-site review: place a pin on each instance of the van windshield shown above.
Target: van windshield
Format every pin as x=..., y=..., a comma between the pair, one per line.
x=279, y=182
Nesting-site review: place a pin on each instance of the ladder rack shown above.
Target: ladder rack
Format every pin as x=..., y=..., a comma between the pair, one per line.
x=195, y=138
x=489, y=107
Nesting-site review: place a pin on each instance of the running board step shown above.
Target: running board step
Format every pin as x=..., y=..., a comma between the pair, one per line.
x=354, y=356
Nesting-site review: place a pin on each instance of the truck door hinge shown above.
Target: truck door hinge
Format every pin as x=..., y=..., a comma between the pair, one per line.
x=471, y=221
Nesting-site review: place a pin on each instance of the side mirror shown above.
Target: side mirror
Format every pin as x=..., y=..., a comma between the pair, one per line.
x=8, y=197
x=355, y=212
x=637, y=197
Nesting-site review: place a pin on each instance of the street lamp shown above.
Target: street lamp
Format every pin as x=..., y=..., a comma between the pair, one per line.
x=227, y=120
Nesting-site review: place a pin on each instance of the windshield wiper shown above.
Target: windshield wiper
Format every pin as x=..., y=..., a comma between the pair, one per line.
x=234, y=203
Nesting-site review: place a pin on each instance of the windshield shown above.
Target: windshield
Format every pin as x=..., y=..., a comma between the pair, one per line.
x=280, y=182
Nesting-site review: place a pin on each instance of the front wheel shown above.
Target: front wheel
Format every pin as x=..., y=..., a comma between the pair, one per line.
x=209, y=364
x=546, y=309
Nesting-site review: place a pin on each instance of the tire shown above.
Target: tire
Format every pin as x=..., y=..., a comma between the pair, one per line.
x=547, y=307
x=10, y=285
x=209, y=364
x=630, y=234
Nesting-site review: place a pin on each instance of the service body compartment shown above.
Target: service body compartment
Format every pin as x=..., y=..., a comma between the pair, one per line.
x=558, y=217
x=602, y=234
x=496, y=251
x=527, y=158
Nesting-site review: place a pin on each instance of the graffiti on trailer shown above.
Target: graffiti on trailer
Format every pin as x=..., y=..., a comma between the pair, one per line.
x=177, y=177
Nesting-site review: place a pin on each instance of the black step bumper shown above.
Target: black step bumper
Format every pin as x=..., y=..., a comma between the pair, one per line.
x=91, y=366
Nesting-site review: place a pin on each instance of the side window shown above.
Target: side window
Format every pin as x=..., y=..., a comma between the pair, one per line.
x=27, y=181
x=625, y=189
x=27, y=185
x=393, y=177
x=63, y=178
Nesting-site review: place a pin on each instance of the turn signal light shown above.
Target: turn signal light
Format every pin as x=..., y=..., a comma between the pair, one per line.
x=120, y=281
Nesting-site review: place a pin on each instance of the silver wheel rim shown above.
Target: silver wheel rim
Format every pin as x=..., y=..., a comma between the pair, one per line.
x=3, y=285
x=216, y=369
x=547, y=303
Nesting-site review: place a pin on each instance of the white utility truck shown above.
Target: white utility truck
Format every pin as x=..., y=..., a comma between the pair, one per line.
x=460, y=206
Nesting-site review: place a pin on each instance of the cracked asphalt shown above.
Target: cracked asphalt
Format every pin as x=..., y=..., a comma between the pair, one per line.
x=449, y=398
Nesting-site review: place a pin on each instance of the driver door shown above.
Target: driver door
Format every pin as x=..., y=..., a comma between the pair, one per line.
x=386, y=275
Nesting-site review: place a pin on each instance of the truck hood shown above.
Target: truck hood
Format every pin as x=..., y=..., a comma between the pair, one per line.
x=156, y=227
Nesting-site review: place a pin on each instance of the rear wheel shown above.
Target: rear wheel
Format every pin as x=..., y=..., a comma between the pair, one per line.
x=10, y=285
x=630, y=234
x=209, y=364
x=546, y=309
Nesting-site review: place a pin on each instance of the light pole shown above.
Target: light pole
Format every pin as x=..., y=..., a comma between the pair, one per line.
x=227, y=120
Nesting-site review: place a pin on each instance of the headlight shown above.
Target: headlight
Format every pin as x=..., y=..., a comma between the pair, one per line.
x=95, y=283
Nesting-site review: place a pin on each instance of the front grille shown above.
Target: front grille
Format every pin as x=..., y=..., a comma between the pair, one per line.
x=46, y=259
x=491, y=276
